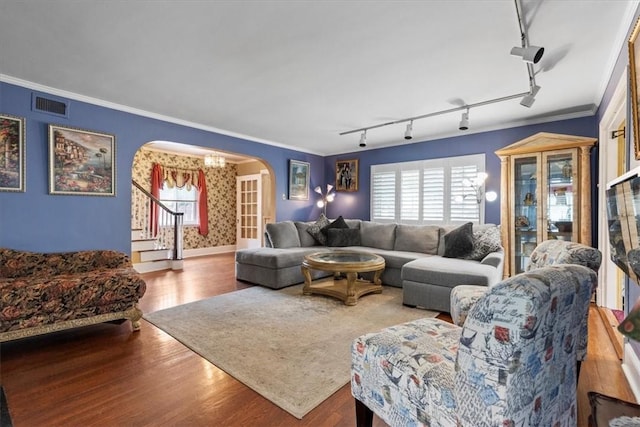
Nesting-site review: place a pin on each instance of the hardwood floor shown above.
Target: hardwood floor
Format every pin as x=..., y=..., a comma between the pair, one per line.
x=105, y=375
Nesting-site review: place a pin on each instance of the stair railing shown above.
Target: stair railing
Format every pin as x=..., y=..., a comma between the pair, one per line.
x=166, y=227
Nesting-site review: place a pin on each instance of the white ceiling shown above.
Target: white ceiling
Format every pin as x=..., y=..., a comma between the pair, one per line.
x=297, y=73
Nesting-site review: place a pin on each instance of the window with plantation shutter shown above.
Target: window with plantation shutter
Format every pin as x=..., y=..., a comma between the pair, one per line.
x=433, y=194
x=427, y=192
x=464, y=206
x=410, y=195
x=383, y=189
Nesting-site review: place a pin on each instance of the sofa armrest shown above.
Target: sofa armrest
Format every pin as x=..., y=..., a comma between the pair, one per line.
x=495, y=259
x=14, y=263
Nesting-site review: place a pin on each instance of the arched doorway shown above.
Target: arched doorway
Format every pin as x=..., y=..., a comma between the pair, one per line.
x=178, y=159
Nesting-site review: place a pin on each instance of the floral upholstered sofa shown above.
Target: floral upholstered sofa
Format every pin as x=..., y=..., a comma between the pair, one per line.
x=47, y=292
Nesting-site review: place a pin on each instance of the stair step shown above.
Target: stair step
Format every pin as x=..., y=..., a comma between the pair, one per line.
x=140, y=245
x=136, y=233
x=155, y=255
x=146, y=267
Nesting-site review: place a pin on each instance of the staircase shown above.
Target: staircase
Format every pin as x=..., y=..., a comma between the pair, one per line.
x=156, y=233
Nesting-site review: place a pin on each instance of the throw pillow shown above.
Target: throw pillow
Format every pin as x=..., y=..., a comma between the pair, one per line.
x=459, y=242
x=338, y=223
x=315, y=229
x=485, y=241
x=341, y=237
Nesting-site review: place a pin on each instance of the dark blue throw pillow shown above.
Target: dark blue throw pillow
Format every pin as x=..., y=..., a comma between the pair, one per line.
x=337, y=223
x=341, y=237
x=459, y=241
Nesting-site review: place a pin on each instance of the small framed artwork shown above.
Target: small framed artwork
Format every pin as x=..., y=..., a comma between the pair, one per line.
x=347, y=175
x=12, y=153
x=298, y=180
x=81, y=162
x=634, y=66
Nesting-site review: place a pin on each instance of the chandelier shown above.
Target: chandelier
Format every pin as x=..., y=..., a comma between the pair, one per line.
x=214, y=161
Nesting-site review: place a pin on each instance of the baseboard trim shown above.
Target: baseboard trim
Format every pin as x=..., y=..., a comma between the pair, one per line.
x=213, y=250
x=631, y=369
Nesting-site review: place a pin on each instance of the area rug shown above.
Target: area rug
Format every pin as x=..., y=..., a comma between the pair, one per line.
x=292, y=349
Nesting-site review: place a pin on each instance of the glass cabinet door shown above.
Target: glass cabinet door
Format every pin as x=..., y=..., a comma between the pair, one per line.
x=560, y=195
x=525, y=221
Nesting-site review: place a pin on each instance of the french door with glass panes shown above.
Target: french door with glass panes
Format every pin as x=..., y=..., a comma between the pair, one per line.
x=249, y=202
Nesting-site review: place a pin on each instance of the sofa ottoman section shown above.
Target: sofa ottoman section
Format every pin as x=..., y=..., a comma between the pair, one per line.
x=427, y=282
x=274, y=267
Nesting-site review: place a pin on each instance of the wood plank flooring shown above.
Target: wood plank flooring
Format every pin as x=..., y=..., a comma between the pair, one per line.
x=104, y=375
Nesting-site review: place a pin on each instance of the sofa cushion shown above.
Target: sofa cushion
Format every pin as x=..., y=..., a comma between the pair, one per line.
x=306, y=239
x=417, y=238
x=315, y=229
x=283, y=234
x=459, y=242
x=450, y=272
x=338, y=223
x=375, y=235
x=341, y=237
x=485, y=241
x=353, y=223
x=274, y=258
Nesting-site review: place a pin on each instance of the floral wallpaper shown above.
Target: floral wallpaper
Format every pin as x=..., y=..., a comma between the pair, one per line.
x=221, y=196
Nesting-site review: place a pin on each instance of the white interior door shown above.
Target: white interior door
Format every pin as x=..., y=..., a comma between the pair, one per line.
x=249, y=216
x=612, y=163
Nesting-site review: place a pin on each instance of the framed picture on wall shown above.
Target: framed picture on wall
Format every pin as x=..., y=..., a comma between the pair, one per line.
x=12, y=153
x=634, y=65
x=81, y=162
x=298, y=180
x=347, y=175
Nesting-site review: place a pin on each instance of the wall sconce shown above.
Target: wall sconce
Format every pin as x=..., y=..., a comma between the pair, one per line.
x=477, y=185
x=326, y=198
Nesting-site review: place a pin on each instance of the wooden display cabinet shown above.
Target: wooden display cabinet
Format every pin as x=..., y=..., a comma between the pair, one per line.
x=545, y=194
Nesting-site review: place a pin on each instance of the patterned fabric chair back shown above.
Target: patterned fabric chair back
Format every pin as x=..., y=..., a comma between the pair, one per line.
x=516, y=362
x=552, y=252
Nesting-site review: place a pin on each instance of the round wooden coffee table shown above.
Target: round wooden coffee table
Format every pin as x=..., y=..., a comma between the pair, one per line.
x=349, y=263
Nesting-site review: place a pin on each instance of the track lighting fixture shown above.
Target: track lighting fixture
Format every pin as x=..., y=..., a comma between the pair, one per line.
x=464, y=121
x=531, y=54
x=363, y=139
x=529, y=99
x=408, y=134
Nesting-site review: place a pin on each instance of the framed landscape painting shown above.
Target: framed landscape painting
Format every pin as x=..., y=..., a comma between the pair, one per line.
x=12, y=153
x=347, y=175
x=634, y=67
x=81, y=162
x=298, y=180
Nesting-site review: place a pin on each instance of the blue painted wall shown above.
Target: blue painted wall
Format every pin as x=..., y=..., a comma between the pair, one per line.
x=356, y=204
x=37, y=221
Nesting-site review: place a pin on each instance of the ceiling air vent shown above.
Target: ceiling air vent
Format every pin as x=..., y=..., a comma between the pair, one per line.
x=48, y=105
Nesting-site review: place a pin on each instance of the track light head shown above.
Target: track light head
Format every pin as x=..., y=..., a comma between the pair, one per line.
x=363, y=139
x=464, y=121
x=408, y=134
x=529, y=99
x=531, y=54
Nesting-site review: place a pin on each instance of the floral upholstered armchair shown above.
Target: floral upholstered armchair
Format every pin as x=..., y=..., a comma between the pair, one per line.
x=512, y=363
x=46, y=292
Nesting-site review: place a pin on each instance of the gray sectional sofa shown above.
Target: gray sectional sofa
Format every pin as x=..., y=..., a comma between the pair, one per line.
x=418, y=257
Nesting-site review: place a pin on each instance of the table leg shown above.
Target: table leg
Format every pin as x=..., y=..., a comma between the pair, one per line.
x=376, y=277
x=306, y=289
x=351, y=289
